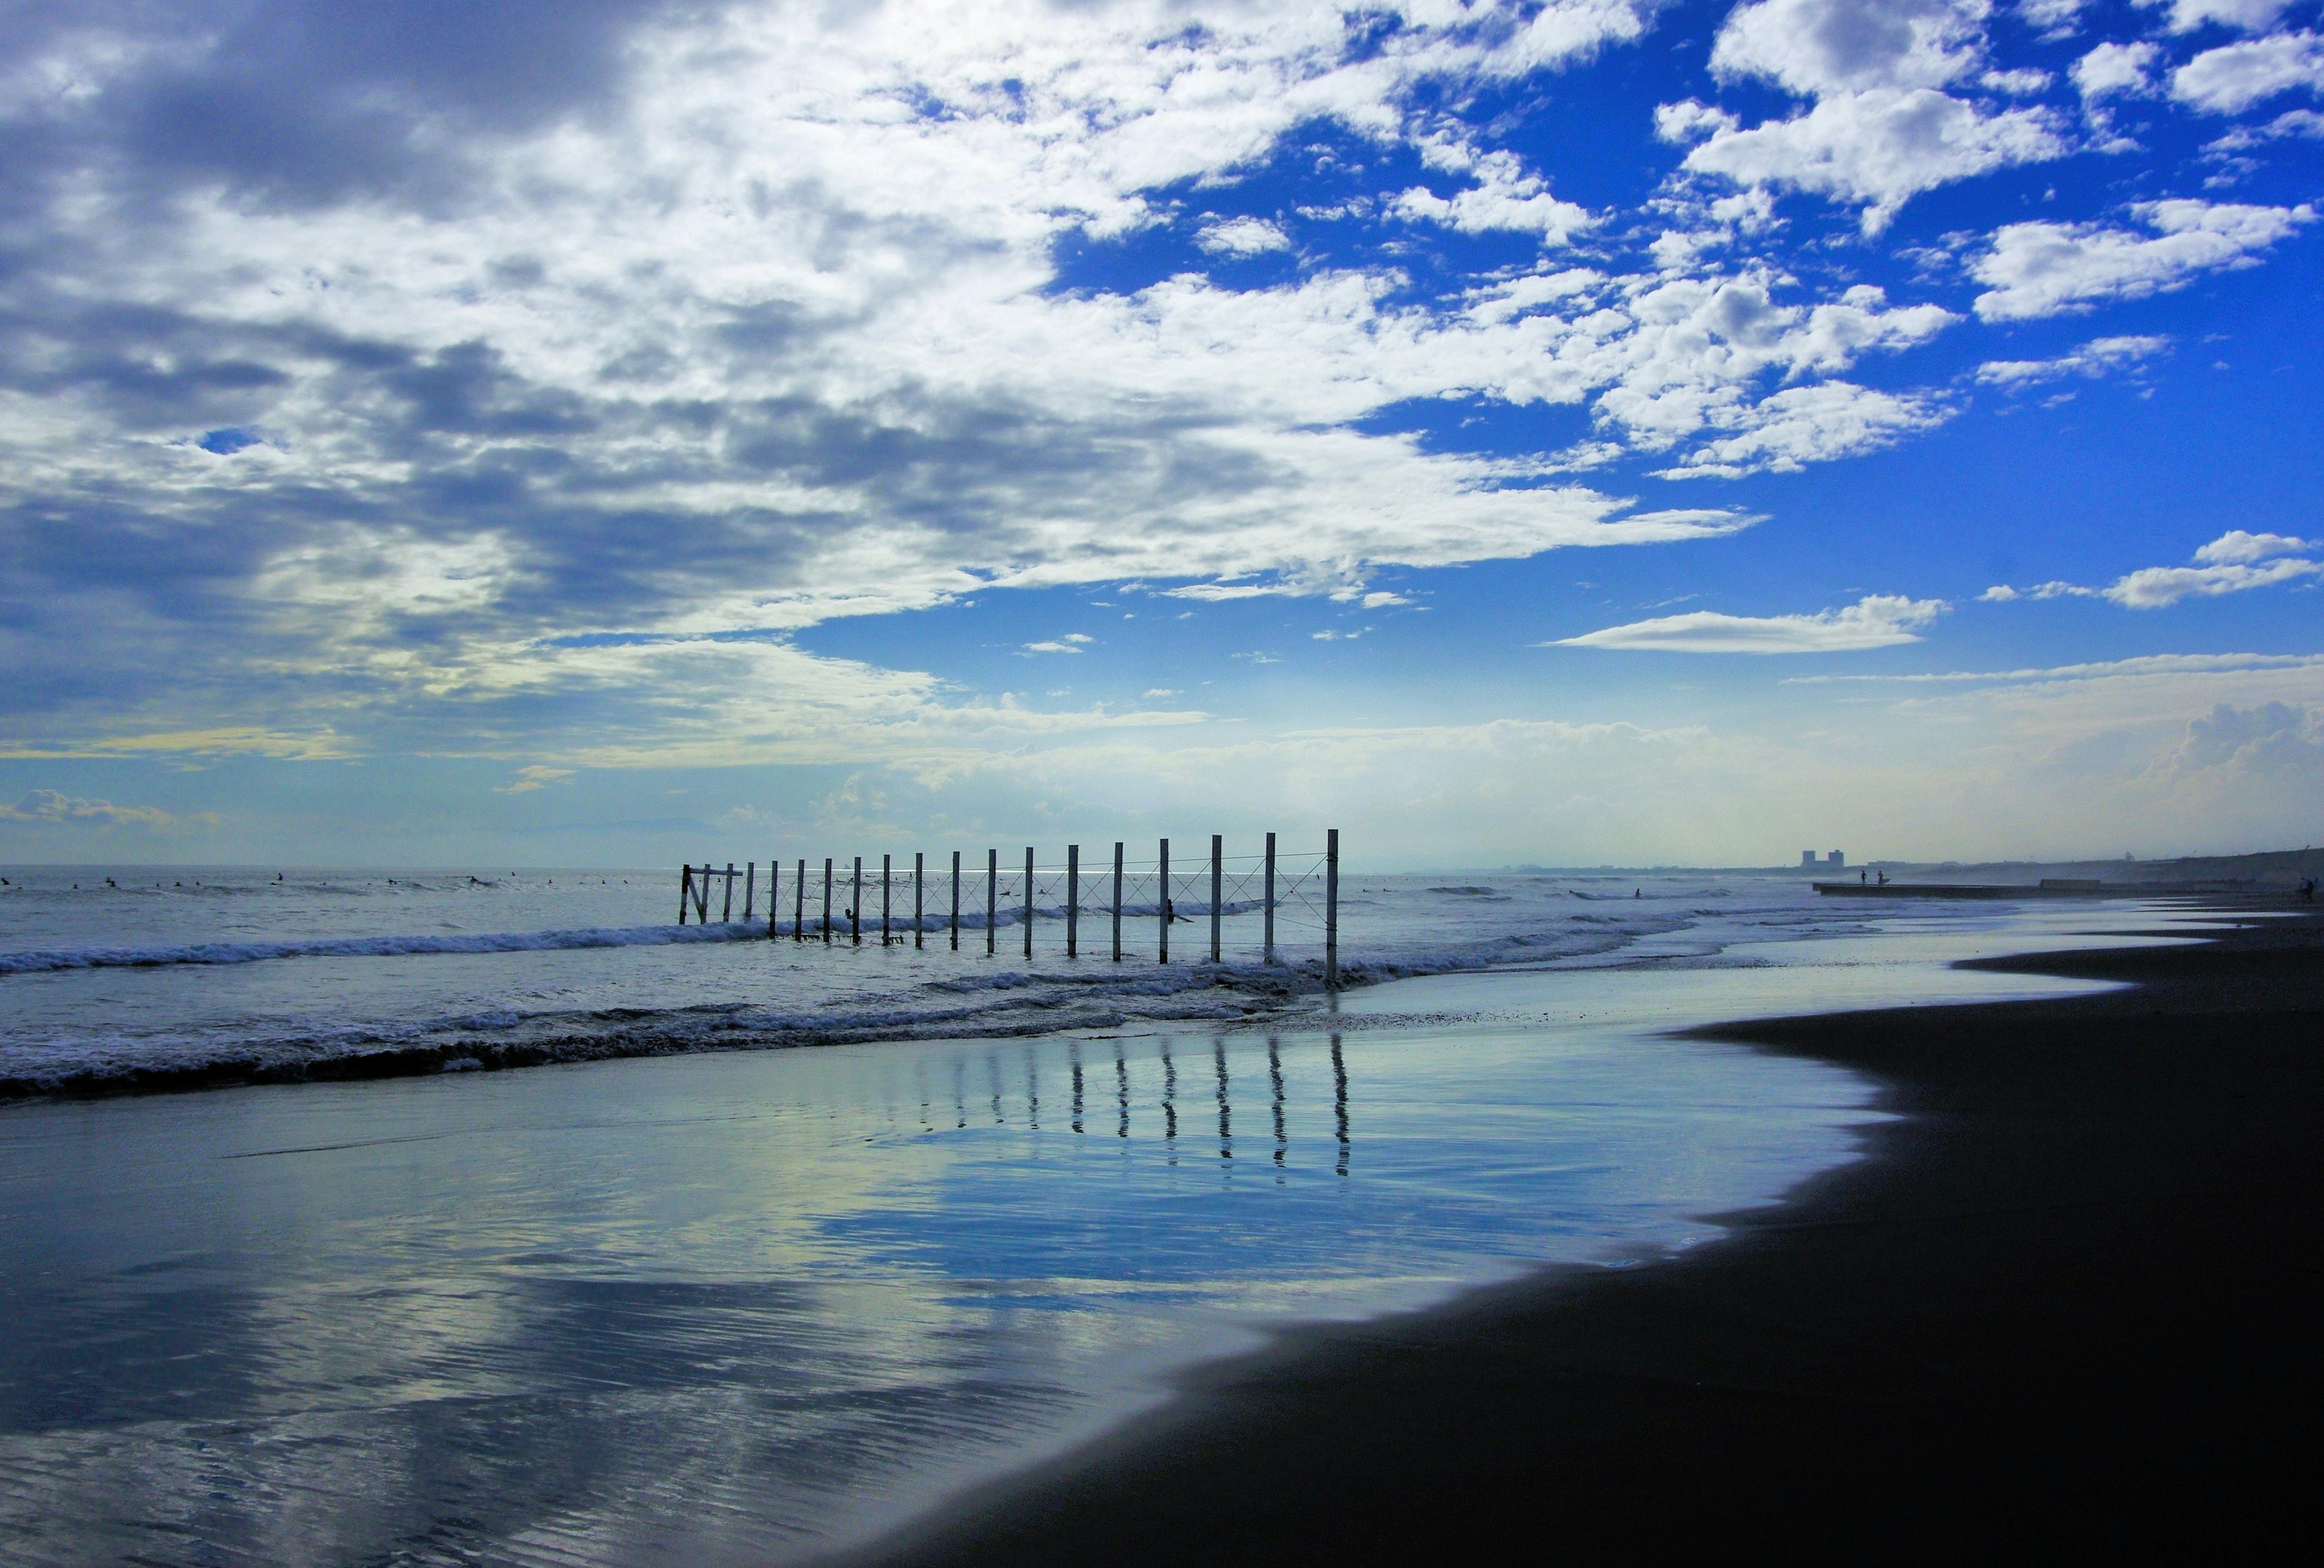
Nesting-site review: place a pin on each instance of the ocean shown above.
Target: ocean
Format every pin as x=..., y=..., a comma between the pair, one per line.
x=782, y=1243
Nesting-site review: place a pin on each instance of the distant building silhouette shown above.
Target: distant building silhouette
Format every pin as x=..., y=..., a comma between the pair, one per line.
x=1810, y=860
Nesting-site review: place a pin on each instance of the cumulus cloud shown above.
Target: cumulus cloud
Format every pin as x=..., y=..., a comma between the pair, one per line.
x=1881, y=148
x=1242, y=236
x=2270, y=738
x=1881, y=130
x=2248, y=15
x=2041, y=269
x=1827, y=46
x=2231, y=79
x=1505, y=197
x=2113, y=69
x=1876, y=621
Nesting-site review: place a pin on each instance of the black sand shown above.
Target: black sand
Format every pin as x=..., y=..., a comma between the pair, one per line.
x=2071, y=1304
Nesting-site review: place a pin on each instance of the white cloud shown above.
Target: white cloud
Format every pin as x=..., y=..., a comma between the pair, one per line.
x=2116, y=69
x=1691, y=121
x=2002, y=593
x=1504, y=197
x=533, y=777
x=1876, y=621
x=2040, y=269
x=2304, y=123
x=2053, y=19
x=1835, y=46
x=1788, y=429
x=2233, y=563
x=2098, y=357
x=2238, y=546
x=2249, y=15
x=52, y=809
x=1881, y=147
x=2269, y=738
x=1242, y=236
x=2231, y=79
x=1071, y=644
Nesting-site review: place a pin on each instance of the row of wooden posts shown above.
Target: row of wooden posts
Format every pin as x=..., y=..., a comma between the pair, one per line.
x=694, y=892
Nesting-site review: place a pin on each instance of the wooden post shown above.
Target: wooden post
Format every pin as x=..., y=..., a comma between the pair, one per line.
x=701, y=896
x=856, y=906
x=1165, y=902
x=1331, y=910
x=774, y=892
x=955, y=900
x=685, y=889
x=1072, y=899
x=750, y=888
x=826, y=900
x=799, y=904
x=1028, y=900
x=1117, y=900
x=919, y=881
x=1218, y=885
x=991, y=900
x=1269, y=936
x=726, y=909
x=887, y=871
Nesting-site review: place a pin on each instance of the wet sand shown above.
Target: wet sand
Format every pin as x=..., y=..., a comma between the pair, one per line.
x=2074, y=1301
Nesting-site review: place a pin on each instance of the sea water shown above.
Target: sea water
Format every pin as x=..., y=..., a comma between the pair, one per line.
x=748, y=1304
x=123, y=974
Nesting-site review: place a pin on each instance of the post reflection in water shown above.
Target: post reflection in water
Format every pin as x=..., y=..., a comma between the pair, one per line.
x=1275, y=1079
x=1226, y=1111
x=1340, y=1099
x=1014, y=1097
x=1170, y=1104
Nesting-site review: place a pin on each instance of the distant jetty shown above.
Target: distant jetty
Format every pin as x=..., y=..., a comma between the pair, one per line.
x=2264, y=878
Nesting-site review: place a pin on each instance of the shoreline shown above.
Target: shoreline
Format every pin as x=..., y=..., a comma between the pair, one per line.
x=2065, y=1297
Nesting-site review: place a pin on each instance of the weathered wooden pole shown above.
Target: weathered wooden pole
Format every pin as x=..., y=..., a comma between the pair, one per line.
x=701, y=896
x=1117, y=900
x=887, y=869
x=1028, y=900
x=919, y=881
x=1165, y=903
x=685, y=889
x=955, y=900
x=726, y=909
x=1331, y=910
x=991, y=900
x=774, y=892
x=799, y=904
x=1269, y=936
x=750, y=888
x=826, y=900
x=1072, y=901
x=856, y=906
x=1218, y=885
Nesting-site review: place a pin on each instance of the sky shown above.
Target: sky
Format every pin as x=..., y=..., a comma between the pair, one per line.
x=615, y=431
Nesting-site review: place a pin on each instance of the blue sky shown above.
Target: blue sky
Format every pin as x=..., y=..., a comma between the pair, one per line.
x=616, y=432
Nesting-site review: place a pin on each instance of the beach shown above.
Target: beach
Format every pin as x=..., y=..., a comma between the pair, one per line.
x=2067, y=1303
